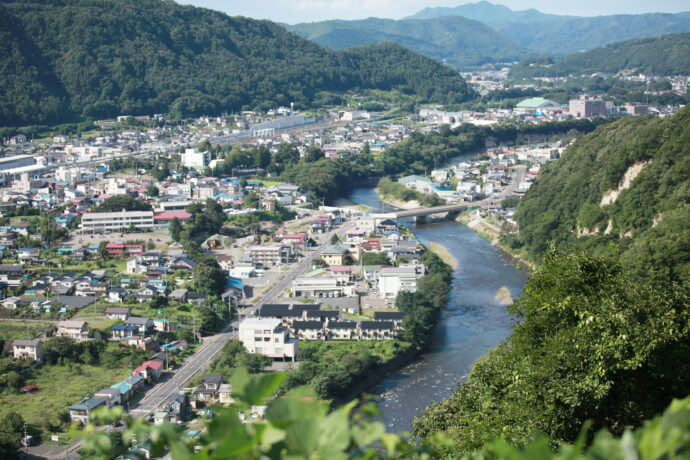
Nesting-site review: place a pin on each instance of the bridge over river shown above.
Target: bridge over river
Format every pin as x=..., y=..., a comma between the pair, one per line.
x=420, y=214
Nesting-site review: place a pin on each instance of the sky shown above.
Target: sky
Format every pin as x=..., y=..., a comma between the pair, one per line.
x=295, y=11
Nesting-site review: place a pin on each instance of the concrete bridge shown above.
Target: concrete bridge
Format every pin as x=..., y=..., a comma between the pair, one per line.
x=420, y=214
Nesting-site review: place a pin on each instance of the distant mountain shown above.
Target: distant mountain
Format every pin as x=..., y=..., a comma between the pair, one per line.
x=67, y=61
x=453, y=40
x=488, y=13
x=667, y=55
x=561, y=37
x=557, y=35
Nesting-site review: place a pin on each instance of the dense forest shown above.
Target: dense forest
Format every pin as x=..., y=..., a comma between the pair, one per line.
x=65, y=61
x=666, y=55
x=557, y=35
x=626, y=183
x=453, y=40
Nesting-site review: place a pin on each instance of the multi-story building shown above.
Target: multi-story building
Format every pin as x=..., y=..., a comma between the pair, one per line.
x=193, y=159
x=265, y=336
x=394, y=280
x=98, y=222
x=269, y=255
x=74, y=329
x=28, y=349
x=586, y=107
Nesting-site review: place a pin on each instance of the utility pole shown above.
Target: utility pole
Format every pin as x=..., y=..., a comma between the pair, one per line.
x=194, y=326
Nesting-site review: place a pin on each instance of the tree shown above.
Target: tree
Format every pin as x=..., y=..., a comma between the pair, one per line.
x=335, y=239
x=591, y=344
x=11, y=433
x=49, y=231
x=375, y=258
x=120, y=202
x=175, y=229
x=152, y=190
x=102, y=250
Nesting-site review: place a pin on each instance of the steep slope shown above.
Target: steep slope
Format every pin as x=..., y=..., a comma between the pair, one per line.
x=667, y=55
x=626, y=183
x=89, y=59
x=453, y=40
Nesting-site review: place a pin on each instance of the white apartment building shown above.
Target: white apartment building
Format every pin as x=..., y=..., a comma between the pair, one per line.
x=193, y=159
x=265, y=336
x=269, y=255
x=394, y=280
x=98, y=222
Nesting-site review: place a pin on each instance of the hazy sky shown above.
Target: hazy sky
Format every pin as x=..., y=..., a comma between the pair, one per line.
x=294, y=11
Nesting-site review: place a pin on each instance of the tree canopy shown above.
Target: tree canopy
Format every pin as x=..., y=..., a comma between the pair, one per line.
x=65, y=61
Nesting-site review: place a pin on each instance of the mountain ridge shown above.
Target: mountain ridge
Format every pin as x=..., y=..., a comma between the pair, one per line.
x=453, y=40
x=93, y=59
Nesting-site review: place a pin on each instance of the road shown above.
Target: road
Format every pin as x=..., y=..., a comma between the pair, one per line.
x=212, y=345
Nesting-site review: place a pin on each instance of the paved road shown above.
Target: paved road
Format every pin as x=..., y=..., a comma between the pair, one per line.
x=212, y=345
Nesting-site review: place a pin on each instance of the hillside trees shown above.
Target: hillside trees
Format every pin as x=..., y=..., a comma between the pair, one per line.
x=67, y=61
x=591, y=344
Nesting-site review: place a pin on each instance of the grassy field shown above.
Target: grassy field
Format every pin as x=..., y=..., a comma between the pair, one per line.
x=95, y=316
x=59, y=388
x=22, y=330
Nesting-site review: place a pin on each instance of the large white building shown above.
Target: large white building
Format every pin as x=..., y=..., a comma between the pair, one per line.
x=98, y=222
x=193, y=159
x=264, y=336
x=394, y=280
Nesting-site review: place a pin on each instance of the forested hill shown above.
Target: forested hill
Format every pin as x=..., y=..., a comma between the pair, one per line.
x=453, y=40
x=602, y=337
x=626, y=183
x=557, y=35
x=666, y=55
x=64, y=60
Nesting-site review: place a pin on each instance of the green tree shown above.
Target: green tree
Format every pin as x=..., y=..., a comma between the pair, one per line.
x=175, y=229
x=152, y=190
x=11, y=433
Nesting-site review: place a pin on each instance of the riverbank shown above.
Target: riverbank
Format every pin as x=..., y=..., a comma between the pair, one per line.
x=397, y=203
x=444, y=254
x=489, y=230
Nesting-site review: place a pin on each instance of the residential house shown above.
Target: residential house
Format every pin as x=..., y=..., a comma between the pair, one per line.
x=178, y=295
x=225, y=394
x=143, y=325
x=81, y=411
x=309, y=330
x=150, y=369
x=181, y=263
x=179, y=408
x=121, y=313
x=208, y=390
x=31, y=349
x=11, y=303
x=120, y=331
x=341, y=330
x=164, y=325
x=74, y=329
x=225, y=262
x=377, y=329
x=111, y=396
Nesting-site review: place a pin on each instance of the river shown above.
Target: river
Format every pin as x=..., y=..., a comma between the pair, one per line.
x=473, y=322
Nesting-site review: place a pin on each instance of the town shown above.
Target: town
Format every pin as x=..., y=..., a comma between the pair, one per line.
x=103, y=296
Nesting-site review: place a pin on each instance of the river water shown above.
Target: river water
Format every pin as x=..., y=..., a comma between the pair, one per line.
x=473, y=322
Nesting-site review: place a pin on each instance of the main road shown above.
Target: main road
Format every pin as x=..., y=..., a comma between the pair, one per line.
x=202, y=357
